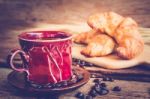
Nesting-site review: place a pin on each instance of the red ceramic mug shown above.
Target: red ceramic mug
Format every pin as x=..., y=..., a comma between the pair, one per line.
x=46, y=56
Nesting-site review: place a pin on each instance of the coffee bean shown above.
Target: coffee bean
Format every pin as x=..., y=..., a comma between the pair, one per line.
x=97, y=87
x=86, y=63
x=116, y=88
x=80, y=95
x=36, y=86
x=104, y=88
x=88, y=97
x=82, y=63
x=49, y=85
x=97, y=81
x=57, y=85
x=89, y=64
x=74, y=64
x=103, y=91
x=107, y=79
x=93, y=76
x=92, y=93
x=79, y=62
x=110, y=79
x=81, y=66
x=73, y=80
x=79, y=77
x=53, y=86
x=64, y=83
x=103, y=84
x=74, y=60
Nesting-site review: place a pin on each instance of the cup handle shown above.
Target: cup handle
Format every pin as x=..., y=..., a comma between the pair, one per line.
x=23, y=57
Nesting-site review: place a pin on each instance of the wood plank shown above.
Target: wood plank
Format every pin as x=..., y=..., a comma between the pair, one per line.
x=63, y=11
x=130, y=89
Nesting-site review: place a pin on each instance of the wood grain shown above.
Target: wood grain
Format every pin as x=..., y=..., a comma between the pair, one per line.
x=20, y=15
x=65, y=11
x=130, y=90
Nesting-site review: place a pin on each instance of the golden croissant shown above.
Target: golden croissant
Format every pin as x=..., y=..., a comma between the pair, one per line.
x=98, y=44
x=110, y=29
x=123, y=30
x=86, y=37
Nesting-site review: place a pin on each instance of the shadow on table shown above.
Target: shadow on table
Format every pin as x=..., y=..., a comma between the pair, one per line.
x=7, y=89
x=39, y=95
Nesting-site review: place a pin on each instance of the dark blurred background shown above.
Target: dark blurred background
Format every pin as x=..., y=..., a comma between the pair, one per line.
x=22, y=14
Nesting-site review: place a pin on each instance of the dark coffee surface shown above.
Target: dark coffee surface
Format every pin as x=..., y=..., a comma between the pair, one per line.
x=44, y=35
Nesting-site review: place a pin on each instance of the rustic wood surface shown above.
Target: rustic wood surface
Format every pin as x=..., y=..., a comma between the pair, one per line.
x=20, y=15
x=130, y=90
x=25, y=13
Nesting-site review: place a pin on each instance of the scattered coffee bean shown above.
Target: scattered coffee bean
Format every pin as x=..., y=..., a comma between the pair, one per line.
x=97, y=84
x=97, y=87
x=64, y=83
x=89, y=64
x=97, y=81
x=79, y=77
x=74, y=60
x=57, y=85
x=81, y=63
x=92, y=93
x=110, y=79
x=107, y=79
x=73, y=79
x=93, y=76
x=49, y=85
x=103, y=84
x=88, y=97
x=116, y=88
x=74, y=64
x=81, y=66
x=36, y=86
x=53, y=86
x=80, y=95
x=103, y=91
x=104, y=88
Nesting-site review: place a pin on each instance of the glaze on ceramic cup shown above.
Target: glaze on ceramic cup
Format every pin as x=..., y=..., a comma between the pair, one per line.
x=46, y=56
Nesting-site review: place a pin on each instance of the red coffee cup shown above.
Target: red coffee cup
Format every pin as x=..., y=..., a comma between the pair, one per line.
x=46, y=56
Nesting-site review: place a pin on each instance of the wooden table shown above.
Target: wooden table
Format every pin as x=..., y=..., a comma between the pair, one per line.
x=130, y=89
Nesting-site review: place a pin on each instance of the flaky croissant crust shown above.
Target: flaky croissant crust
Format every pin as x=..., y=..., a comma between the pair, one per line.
x=122, y=31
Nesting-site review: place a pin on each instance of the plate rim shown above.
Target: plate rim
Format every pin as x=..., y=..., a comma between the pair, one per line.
x=32, y=89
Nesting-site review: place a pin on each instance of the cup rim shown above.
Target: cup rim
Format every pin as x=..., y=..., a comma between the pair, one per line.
x=39, y=40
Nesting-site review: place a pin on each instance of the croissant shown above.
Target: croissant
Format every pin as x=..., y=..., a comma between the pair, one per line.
x=130, y=43
x=85, y=38
x=99, y=45
x=105, y=22
x=123, y=30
